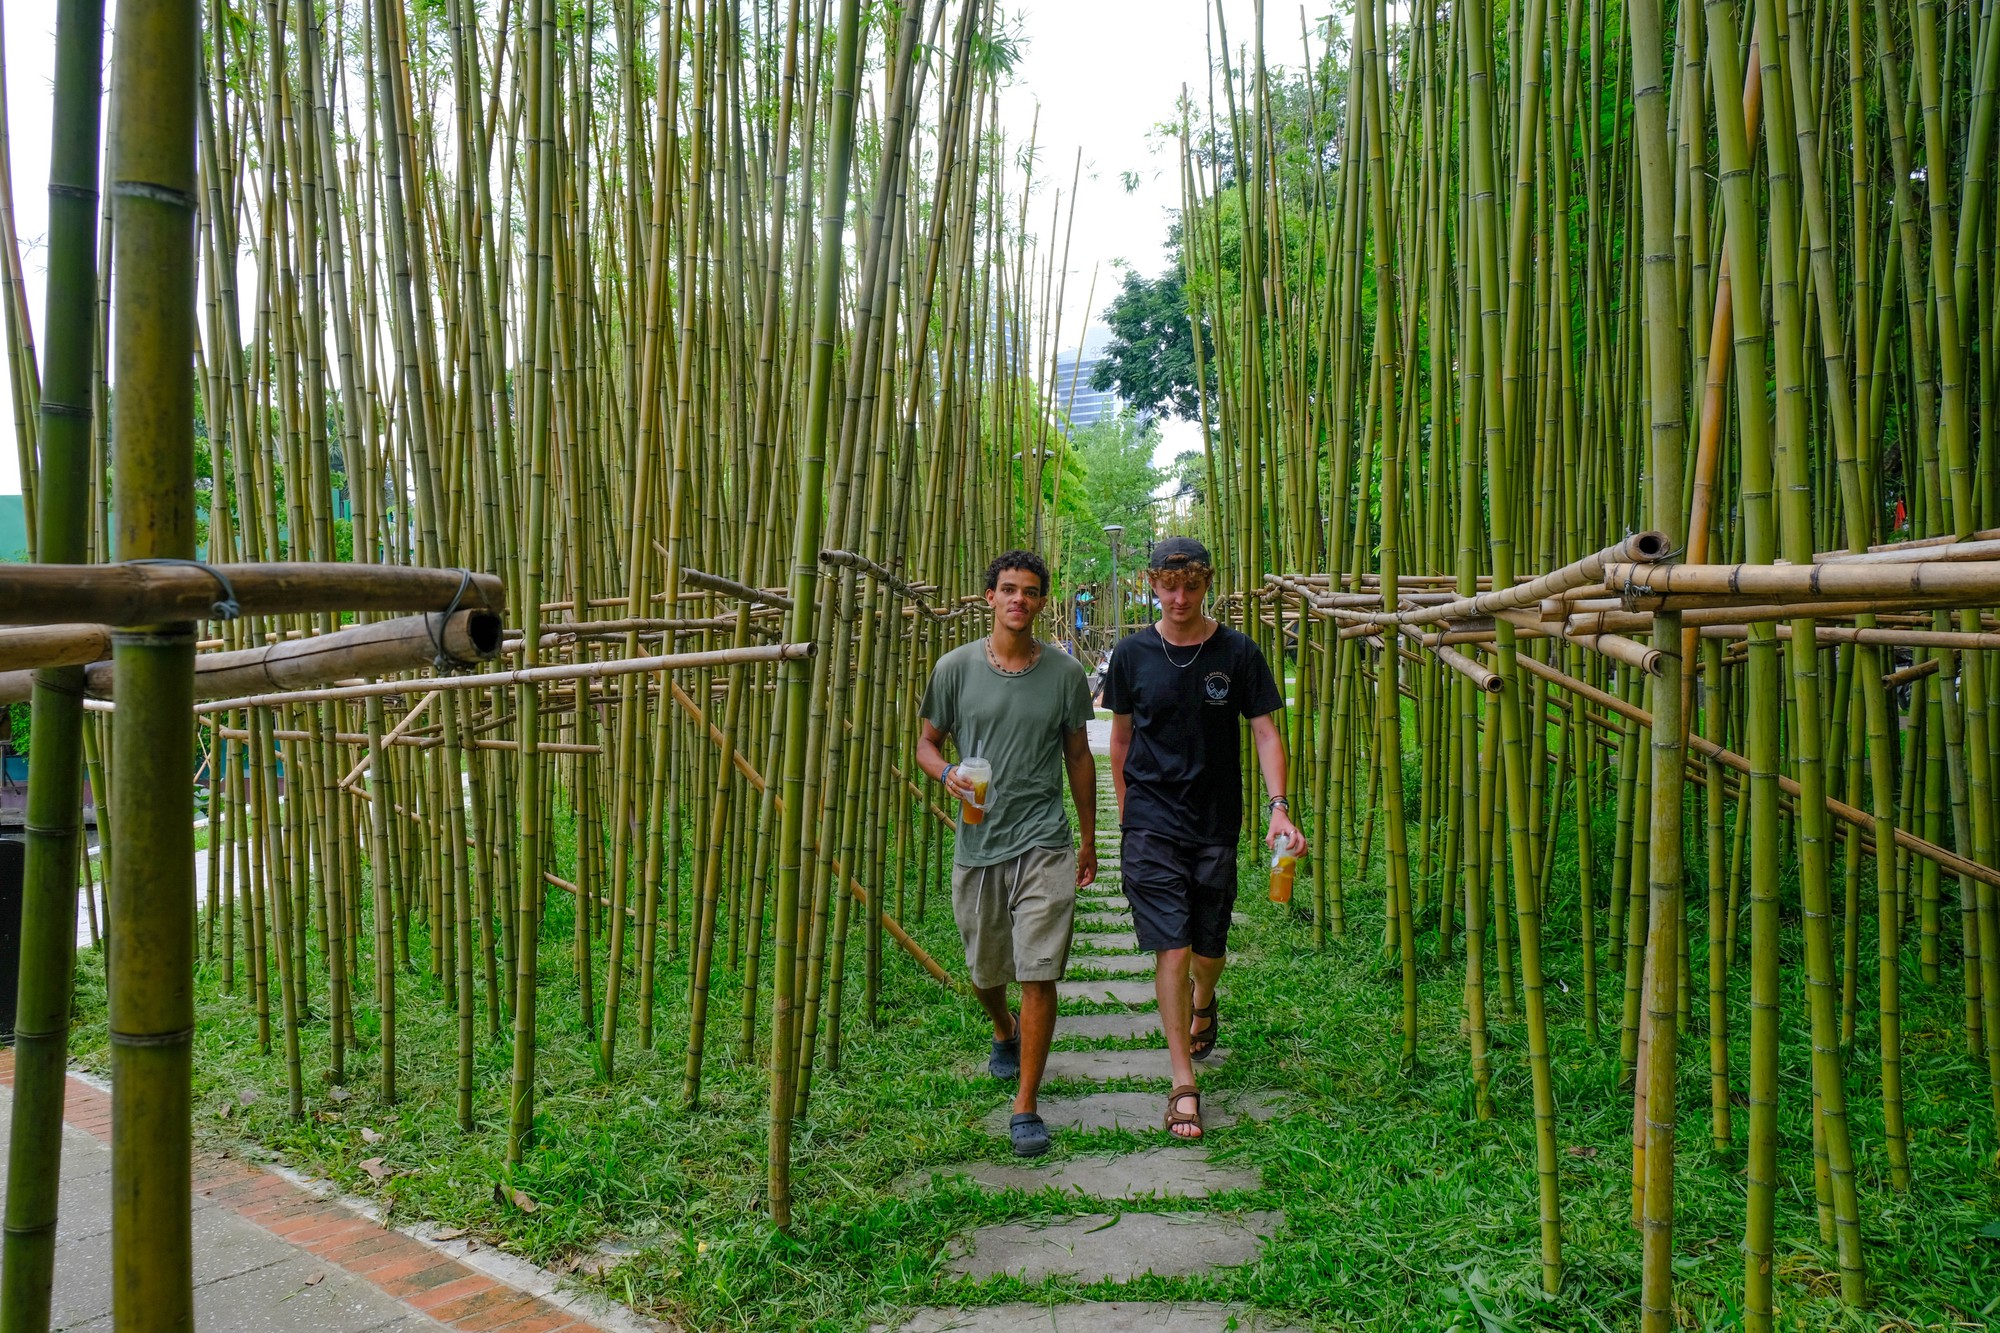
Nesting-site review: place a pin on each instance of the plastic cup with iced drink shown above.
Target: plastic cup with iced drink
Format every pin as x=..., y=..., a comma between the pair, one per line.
x=980, y=774
x=1284, y=863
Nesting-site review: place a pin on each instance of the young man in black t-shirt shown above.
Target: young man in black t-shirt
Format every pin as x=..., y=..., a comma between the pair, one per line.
x=1176, y=691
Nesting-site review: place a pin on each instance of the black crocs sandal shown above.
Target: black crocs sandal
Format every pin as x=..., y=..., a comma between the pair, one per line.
x=1005, y=1062
x=1030, y=1134
x=1202, y=1043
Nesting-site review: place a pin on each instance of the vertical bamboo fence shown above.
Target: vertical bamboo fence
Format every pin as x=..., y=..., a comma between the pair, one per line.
x=710, y=332
x=1620, y=382
x=1598, y=414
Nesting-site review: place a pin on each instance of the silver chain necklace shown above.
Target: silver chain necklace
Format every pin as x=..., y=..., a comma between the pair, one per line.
x=1183, y=666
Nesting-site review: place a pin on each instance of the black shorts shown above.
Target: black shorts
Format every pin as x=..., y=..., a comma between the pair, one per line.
x=1181, y=892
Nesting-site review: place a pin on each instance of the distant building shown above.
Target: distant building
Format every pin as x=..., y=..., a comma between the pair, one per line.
x=1074, y=393
x=1086, y=406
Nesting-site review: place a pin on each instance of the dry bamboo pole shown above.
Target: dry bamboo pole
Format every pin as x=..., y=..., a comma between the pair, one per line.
x=132, y=591
x=462, y=640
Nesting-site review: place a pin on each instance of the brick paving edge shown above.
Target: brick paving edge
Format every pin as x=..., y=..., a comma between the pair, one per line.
x=490, y=1289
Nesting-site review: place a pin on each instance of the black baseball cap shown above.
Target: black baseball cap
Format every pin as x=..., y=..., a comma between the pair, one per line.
x=1178, y=553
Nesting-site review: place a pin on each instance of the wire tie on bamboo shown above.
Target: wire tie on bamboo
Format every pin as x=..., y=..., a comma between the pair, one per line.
x=226, y=606
x=445, y=663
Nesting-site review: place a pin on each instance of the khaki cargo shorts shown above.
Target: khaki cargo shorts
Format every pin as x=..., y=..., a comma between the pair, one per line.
x=1015, y=917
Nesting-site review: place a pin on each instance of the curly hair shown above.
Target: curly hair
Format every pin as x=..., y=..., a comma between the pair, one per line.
x=1025, y=560
x=1190, y=575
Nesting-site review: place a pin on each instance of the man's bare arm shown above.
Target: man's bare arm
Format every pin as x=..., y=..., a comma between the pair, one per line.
x=1270, y=744
x=930, y=758
x=1083, y=790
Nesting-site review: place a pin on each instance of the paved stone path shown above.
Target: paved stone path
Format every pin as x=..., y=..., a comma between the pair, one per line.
x=1109, y=996
x=271, y=1255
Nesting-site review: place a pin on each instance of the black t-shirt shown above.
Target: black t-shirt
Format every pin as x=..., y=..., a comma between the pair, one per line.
x=1184, y=770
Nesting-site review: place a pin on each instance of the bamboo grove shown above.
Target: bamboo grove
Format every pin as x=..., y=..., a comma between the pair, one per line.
x=681, y=365
x=1618, y=383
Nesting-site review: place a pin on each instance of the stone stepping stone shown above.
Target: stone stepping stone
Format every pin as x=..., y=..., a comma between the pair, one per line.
x=1154, y=1173
x=1138, y=1111
x=1104, y=1066
x=1118, y=942
x=1136, y=993
x=1111, y=918
x=1096, y=1317
x=1116, y=964
x=1097, y=1027
x=1099, y=1247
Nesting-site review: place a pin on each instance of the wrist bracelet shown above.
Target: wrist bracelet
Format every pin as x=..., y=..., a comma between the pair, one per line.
x=1275, y=802
x=945, y=777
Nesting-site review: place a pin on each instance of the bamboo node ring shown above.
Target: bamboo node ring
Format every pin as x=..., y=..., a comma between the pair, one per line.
x=64, y=190
x=145, y=1039
x=226, y=606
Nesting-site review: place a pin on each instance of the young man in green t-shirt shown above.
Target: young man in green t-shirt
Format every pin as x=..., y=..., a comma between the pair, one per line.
x=1010, y=700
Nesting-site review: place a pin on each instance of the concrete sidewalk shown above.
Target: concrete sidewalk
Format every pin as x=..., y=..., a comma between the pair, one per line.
x=271, y=1256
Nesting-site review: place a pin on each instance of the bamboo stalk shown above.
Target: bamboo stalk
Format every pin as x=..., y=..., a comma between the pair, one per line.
x=151, y=1017
x=54, y=825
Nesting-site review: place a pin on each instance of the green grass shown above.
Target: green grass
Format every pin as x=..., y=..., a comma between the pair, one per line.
x=1403, y=1211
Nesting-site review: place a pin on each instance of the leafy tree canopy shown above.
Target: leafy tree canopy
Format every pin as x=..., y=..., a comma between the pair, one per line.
x=1149, y=361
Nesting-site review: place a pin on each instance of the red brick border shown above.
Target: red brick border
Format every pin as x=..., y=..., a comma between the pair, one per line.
x=419, y=1276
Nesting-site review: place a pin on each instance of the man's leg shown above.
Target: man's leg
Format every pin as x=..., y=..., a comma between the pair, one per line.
x=1038, y=1029
x=1206, y=972
x=993, y=999
x=1170, y=984
x=1212, y=897
x=983, y=926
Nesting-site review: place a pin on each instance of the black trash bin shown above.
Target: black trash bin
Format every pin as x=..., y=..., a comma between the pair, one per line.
x=13, y=864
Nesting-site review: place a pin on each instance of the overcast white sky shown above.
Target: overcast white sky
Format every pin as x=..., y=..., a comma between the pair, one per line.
x=1104, y=73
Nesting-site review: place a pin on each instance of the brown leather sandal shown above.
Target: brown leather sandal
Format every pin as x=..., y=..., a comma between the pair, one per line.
x=1174, y=1117
x=1202, y=1043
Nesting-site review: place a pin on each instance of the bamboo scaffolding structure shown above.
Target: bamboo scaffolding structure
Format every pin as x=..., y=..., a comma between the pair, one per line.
x=132, y=592
x=383, y=648
x=1631, y=292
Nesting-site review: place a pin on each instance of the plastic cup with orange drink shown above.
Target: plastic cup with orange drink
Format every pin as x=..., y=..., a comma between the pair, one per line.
x=979, y=773
x=1284, y=864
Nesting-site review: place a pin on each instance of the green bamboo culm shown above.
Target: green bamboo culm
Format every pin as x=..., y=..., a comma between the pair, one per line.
x=797, y=675
x=152, y=912
x=55, y=791
x=1665, y=890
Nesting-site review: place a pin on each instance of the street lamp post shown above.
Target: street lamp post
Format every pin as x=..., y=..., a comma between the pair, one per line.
x=1114, y=531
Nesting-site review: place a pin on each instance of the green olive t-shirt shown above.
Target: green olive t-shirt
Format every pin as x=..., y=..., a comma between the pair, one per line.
x=1016, y=724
